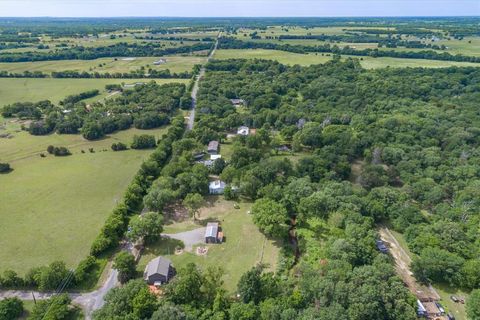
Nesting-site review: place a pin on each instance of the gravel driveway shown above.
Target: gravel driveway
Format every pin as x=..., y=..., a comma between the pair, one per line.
x=189, y=238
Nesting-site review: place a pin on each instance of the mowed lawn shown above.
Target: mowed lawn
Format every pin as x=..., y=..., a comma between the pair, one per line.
x=52, y=208
x=103, y=65
x=244, y=247
x=21, y=89
x=291, y=58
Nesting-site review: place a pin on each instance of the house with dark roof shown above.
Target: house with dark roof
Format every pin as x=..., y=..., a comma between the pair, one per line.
x=158, y=271
x=213, y=147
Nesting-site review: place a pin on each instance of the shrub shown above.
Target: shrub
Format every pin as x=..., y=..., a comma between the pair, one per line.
x=92, y=131
x=58, y=307
x=10, y=279
x=11, y=308
x=119, y=146
x=5, y=167
x=86, y=265
x=143, y=141
x=61, y=151
x=50, y=149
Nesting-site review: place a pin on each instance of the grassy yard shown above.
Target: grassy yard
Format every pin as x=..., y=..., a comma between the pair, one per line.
x=290, y=58
x=244, y=247
x=102, y=65
x=16, y=90
x=52, y=208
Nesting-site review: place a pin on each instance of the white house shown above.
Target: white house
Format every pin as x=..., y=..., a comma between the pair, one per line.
x=217, y=187
x=243, y=131
x=215, y=156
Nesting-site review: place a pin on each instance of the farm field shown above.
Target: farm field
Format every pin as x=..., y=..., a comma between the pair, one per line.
x=102, y=65
x=33, y=89
x=58, y=204
x=244, y=247
x=291, y=58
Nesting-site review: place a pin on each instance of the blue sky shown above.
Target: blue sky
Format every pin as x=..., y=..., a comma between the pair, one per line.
x=242, y=8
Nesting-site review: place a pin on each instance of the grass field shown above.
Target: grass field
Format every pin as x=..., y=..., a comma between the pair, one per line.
x=52, y=208
x=244, y=247
x=16, y=90
x=290, y=58
x=102, y=65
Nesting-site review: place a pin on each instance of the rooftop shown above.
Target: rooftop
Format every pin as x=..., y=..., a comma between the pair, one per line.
x=158, y=265
x=212, y=229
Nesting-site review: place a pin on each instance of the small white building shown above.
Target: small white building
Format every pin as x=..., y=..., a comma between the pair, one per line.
x=160, y=61
x=217, y=187
x=214, y=157
x=237, y=102
x=243, y=131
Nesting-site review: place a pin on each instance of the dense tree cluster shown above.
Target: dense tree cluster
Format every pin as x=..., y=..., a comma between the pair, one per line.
x=117, y=223
x=146, y=106
x=410, y=134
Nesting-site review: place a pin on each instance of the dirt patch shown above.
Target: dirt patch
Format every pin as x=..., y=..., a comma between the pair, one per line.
x=176, y=213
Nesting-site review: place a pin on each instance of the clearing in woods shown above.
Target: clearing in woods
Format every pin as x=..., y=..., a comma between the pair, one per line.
x=427, y=294
x=243, y=248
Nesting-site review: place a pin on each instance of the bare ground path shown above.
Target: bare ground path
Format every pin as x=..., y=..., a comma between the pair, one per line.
x=402, y=265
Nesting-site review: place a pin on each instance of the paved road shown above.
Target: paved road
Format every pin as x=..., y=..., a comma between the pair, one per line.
x=94, y=300
x=191, y=117
x=89, y=302
x=189, y=238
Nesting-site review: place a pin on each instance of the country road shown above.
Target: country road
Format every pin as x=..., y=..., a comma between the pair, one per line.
x=89, y=301
x=191, y=117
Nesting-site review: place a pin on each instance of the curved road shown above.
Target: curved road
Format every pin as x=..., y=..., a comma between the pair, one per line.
x=89, y=301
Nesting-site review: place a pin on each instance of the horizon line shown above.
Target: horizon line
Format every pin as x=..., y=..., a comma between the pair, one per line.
x=250, y=17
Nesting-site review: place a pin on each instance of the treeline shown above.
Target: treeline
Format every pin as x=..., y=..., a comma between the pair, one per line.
x=232, y=43
x=117, y=50
x=72, y=99
x=116, y=224
x=390, y=42
x=70, y=74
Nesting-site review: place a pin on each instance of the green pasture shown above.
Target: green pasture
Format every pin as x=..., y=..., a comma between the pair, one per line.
x=103, y=65
x=34, y=89
x=52, y=208
x=244, y=247
x=290, y=58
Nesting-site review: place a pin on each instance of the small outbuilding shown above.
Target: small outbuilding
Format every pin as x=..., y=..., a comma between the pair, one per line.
x=158, y=271
x=213, y=147
x=214, y=157
x=237, y=102
x=213, y=233
x=243, y=131
x=217, y=187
